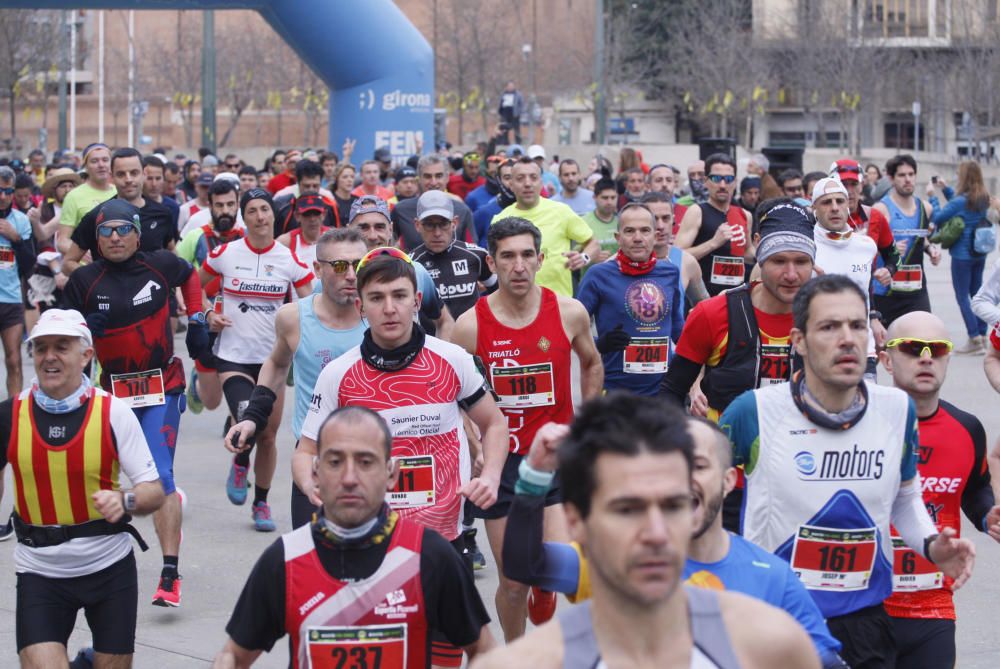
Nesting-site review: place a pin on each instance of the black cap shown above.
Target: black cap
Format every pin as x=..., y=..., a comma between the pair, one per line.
x=255, y=194
x=117, y=211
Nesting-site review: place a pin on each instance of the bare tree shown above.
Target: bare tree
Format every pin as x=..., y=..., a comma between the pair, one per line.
x=178, y=69
x=29, y=41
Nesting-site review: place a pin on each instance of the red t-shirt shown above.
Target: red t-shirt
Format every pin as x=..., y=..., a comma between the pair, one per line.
x=458, y=185
x=283, y=180
x=877, y=227
x=706, y=335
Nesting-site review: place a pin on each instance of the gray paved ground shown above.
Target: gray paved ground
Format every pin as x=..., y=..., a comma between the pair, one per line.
x=220, y=545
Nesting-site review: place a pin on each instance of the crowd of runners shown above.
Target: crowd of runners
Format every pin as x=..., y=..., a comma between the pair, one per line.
x=657, y=388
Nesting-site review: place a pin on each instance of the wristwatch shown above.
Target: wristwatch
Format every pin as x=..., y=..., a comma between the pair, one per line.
x=874, y=315
x=198, y=318
x=128, y=500
x=586, y=258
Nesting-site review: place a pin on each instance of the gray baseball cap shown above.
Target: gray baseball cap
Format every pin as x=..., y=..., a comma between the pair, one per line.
x=435, y=203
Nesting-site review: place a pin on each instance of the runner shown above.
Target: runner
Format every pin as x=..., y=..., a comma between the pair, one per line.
x=370, y=216
x=469, y=178
x=432, y=173
x=204, y=390
x=627, y=473
x=359, y=581
x=458, y=268
x=635, y=342
x=72, y=522
x=716, y=232
x=865, y=219
x=255, y=275
x=302, y=239
x=125, y=294
x=559, y=227
x=504, y=198
x=309, y=333
x=95, y=190
x=16, y=261
x=830, y=459
x=198, y=202
x=840, y=251
x=204, y=216
x=717, y=559
x=309, y=176
x=602, y=218
x=156, y=219
x=665, y=249
x=526, y=334
x=418, y=383
x=909, y=218
x=954, y=475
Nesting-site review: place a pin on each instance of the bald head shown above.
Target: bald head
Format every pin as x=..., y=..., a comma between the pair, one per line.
x=919, y=325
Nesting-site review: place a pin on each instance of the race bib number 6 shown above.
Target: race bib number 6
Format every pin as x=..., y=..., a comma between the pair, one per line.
x=369, y=647
x=415, y=487
x=911, y=572
x=646, y=355
x=141, y=389
x=524, y=386
x=833, y=559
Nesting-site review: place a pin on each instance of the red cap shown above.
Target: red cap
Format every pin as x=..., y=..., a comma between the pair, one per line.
x=846, y=168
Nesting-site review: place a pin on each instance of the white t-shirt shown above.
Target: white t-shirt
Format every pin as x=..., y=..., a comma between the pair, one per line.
x=186, y=211
x=254, y=285
x=79, y=557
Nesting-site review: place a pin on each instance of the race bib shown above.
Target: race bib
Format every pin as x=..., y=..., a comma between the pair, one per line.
x=524, y=386
x=415, y=487
x=775, y=364
x=374, y=646
x=646, y=355
x=833, y=559
x=140, y=389
x=7, y=257
x=727, y=271
x=908, y=278
x=911, y=571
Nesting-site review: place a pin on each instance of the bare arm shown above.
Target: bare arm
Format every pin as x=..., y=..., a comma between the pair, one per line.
x=305, y=290
x=235, y=656
x=688, y=228
x=71, y=256
x=464, y=333
x=576, y=320
x=694, y=282
x=302, y=467
x=111, y=503
x=765, y=636
x=482, y=491
x=445, y=324
x=286, y=327
x=63, y=240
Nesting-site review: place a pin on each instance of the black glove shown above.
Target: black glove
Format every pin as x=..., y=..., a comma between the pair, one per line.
x=97, y=322
x=196, y=339
x=613, y=341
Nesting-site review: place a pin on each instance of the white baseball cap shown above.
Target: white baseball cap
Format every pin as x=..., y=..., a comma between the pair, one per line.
x=828, y=186
x=536, y=151
x=67, y=322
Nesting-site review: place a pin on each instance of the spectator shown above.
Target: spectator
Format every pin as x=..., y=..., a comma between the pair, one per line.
x=510, y=110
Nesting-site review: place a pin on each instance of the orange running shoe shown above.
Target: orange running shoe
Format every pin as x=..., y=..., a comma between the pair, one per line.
x=541, y=605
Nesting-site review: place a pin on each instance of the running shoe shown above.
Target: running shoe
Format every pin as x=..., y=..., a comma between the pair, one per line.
x=262, y=517
x=194, y=402
x=476, y=555
x=237, y=484
x=7, y=529
x=541, y=605
x=169, y=592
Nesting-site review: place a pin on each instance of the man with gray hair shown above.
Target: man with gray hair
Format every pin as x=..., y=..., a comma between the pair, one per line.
x=17, y=256
x=432, y=174
x=760, y=166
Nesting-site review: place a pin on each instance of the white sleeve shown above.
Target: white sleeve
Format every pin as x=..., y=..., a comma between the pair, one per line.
x=323, y=401
x=133, y=452
x=986, y=303
x=910, y=517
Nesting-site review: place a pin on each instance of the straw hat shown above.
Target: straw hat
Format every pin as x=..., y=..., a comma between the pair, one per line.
x=56, y=177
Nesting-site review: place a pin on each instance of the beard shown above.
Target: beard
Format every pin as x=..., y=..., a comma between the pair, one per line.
x=713, y=505
x=223, y=223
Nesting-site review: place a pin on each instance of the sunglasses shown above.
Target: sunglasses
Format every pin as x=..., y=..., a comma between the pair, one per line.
x=233, y=166
x=837, y=236
x=472, y=158
x=849, y=170
x=435, y=225
x=6, y=191
x=719, y=178
x=123, y=230
x=390, y=251
x=938, y=348
x=340, y=266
